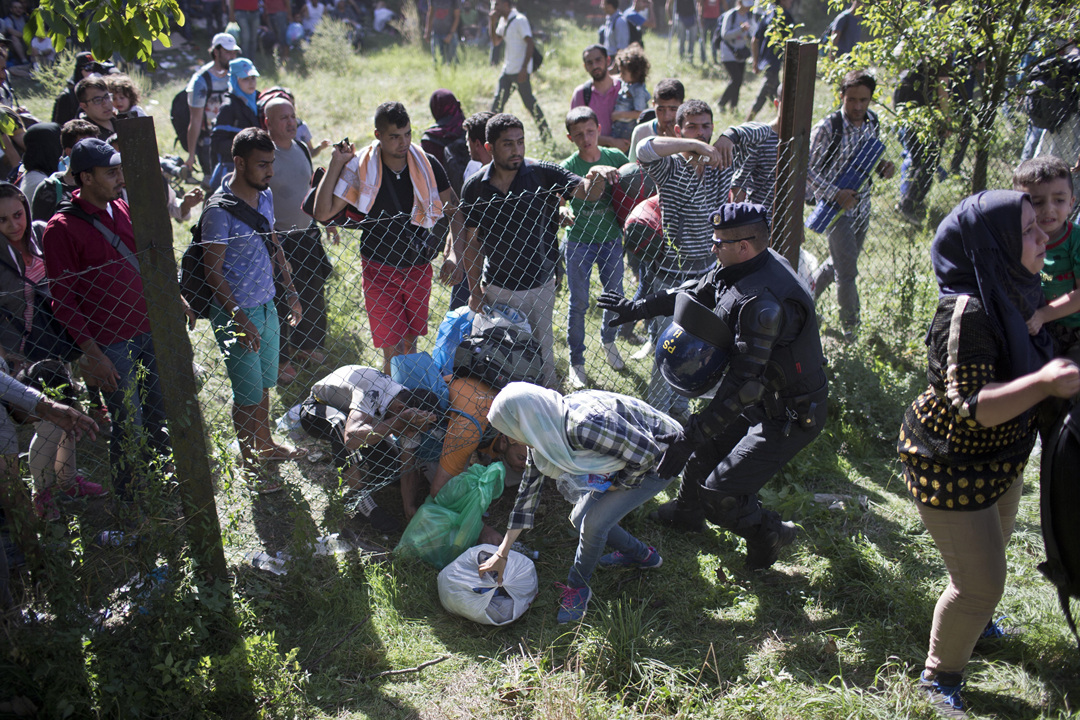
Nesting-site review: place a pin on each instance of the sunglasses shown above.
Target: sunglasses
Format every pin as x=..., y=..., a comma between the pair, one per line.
x=718, y=241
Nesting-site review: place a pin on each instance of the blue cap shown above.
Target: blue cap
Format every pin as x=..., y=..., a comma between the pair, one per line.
x=90, y=153
x=733, y=215
x=241, y=67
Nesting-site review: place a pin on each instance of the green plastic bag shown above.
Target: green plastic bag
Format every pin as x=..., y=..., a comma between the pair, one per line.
x=447, y=525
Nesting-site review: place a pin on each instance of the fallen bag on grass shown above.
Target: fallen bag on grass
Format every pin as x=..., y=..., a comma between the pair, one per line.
x=451, y=521
x=464, y=592
x=1059, y=504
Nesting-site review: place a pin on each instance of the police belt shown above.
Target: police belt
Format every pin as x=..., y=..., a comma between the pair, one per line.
x=799, y=409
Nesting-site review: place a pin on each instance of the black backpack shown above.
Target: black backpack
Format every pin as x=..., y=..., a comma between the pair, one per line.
x=636, y=36
x=1059, y=505
x=193, y=286
x=500, y=355
x=1053, y=91
x=455, y=159
x=180, y=111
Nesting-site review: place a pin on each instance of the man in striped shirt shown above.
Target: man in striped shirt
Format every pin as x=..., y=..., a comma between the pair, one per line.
x=693, y=178
x=834, y=141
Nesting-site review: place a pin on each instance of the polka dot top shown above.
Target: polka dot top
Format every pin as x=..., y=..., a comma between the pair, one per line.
x=950, y=460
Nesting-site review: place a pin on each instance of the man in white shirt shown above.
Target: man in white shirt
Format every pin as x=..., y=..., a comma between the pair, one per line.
x=511, y=29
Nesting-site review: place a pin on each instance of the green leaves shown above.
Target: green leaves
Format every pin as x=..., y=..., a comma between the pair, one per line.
x=109, y=26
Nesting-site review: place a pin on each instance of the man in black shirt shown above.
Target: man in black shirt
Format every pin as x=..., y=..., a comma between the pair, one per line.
x=516, y=202
x=402, y=191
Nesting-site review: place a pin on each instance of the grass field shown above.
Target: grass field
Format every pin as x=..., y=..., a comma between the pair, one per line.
x=837, y=629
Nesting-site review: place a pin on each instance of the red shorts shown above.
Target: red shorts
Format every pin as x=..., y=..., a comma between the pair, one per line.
x=396, y=300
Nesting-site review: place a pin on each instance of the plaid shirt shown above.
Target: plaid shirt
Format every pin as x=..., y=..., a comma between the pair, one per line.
x=822, y=171
x=610, y=424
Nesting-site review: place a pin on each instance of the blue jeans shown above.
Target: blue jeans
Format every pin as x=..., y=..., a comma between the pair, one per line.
x=597, y=516
x=144, y=413
x=448, y=50
x=248, y=20
x=580, y=258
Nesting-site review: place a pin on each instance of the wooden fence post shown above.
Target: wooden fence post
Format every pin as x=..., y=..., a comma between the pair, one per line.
x=172, y=347
x=793, y=151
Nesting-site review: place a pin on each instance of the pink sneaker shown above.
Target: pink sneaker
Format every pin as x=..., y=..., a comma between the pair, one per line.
x=85, y=488
x=45, y=505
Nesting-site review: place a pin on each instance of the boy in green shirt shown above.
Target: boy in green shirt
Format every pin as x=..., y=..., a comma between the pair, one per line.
x=1049, y=183
x=594, y=238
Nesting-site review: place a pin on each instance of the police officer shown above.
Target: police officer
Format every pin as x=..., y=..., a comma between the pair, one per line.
x=770, y=401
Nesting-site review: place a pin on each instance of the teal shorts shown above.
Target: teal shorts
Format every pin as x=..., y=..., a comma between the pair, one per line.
x=249, y=372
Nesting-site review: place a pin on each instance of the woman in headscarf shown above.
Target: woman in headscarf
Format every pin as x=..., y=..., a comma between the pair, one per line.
x=602, y=449
x=449, y=117
x=42, y=156
x=238, y=110
x=965, y=441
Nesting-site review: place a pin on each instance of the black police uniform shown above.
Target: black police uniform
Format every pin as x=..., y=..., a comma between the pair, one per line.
x=770, y=403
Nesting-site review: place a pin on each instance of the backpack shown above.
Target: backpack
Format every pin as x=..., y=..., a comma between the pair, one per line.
x=1059, y=503
x=643, y=231
x=499, y=349
x=193, y=286
x=180, y=111
x=636, y=36
x=455, y=159
x=1053, y=91
x=634, y=186
x=266, y=96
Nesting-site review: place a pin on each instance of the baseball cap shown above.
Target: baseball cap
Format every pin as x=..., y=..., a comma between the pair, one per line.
x=90, y=153
x=224, y=40
x=241, y=67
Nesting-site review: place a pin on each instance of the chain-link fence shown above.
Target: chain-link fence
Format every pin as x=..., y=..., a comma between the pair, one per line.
x=309, y=413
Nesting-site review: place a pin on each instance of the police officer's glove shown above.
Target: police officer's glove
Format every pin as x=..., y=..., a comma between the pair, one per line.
x=679, y=450
x=625, y=311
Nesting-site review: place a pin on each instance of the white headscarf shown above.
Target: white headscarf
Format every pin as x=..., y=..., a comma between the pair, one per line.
x=536, y=416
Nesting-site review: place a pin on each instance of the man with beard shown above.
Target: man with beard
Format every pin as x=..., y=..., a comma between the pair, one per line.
x=516, y=202
x=600, y=94
x=205, y=91
x=89, y=248
x=240, y=251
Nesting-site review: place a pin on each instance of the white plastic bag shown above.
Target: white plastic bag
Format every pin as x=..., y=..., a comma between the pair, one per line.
x=480, y=599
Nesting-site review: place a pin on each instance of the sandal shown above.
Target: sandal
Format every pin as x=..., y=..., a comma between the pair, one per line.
x=265, y=485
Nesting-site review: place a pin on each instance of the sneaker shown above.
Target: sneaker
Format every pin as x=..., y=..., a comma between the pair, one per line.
x=578, y=378
x=764, y=550
x=572, y=603
x=45, y=505
x=943, y=692
x=994, y=630
x=85, y=488
x=614, y=359
x=684, y=519
x=644, y=352
x=617, y=559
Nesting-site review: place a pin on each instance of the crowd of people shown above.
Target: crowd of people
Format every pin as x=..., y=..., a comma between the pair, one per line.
x=651, y=185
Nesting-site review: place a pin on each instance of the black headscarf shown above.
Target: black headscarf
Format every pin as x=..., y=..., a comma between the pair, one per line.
x=977, y=251
x=43, y=148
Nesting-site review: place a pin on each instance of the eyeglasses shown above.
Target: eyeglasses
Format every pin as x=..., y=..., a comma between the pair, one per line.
x=718, y=241
x=100, y=99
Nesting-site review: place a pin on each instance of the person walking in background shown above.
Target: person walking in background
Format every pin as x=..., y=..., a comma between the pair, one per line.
x=710, y=11
x=767, y=51
x=441, y=29
x=734, y=35
x=835, y=141
x=965, y=441
x=614, y=34
x=511, y=28
x=683, y=17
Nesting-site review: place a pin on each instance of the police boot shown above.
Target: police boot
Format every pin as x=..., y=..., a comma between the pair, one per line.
x=764, y=542
x=683, y=513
